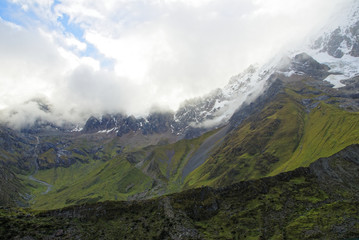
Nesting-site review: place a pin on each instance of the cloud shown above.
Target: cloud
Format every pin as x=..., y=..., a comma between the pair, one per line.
x=90, y=57
x=33, y=66
x=194, y=46
x=102, y=91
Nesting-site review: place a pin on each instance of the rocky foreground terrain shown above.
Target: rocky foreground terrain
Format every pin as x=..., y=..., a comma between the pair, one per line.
x=316, y=202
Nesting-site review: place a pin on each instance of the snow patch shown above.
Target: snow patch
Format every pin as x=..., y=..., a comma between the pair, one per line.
x=77, y=129
x=342, y=68
x=335, y=80
x=108, y=131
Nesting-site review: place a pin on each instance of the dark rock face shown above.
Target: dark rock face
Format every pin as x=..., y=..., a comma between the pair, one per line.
x=334, y=43
x=275, y=86
x=354, y=31
x=128, y=124
x=158, y=123
x=179, y=123
x=154, y=123
x=343, y=40
x=196, y=111
x=333, y=174
x=107, y=122
x=355, y=50
x=306, y=64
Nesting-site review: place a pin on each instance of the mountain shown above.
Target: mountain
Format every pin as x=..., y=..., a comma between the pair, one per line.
x=316, y=202
x=273, y=154
x=296, y=120
x=341, y=38
x=193, y=118
x=13, y=192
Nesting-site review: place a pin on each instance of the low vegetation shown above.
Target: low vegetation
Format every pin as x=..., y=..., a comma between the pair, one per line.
x=292, y=205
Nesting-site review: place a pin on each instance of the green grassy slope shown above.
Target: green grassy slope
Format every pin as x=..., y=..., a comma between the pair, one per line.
x=301, y=123
x=264, y=140
x=327, y=131
x=293, y=205
x=171, y=160
x=64, y=150
x=143, y=173
x=12, y=192
x=284, y=135
x=95, y=181
x=16, y=150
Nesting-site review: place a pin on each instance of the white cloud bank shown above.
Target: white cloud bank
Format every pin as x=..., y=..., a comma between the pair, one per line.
x=144, y=53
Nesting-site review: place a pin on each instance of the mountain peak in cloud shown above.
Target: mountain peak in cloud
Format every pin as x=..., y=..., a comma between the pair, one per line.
x=91, y=58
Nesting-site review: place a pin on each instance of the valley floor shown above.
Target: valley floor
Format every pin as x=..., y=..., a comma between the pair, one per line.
x=316, y=202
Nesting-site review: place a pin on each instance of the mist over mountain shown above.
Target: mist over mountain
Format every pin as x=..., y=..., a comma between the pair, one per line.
x=179, y=119
x=89, y=63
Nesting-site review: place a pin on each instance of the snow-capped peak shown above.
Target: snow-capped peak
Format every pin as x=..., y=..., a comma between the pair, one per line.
x=338, y=46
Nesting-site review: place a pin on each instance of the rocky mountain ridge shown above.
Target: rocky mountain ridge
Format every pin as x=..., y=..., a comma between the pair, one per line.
x=331, y=57
x=199, y=115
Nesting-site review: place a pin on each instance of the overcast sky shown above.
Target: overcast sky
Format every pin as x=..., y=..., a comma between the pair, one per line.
x=91, y=56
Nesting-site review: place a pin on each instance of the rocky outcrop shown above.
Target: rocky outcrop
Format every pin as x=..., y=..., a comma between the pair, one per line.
x=92, y=124
x=303, y=63
x=121, y=125
x=342, y=40
x=158, y=123
x=339, y=171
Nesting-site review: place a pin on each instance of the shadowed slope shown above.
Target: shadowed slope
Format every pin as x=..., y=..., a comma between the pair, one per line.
x=316, y=202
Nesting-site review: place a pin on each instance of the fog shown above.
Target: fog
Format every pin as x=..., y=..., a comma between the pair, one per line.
x=92, y=57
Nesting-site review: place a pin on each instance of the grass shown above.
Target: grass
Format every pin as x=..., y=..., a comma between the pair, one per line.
x=316, y=222
x=283, y=136
x=327, y=131
x=111, y=175
x=292, y=205
x=262, y=141
x=95, y=181
x=172, y=158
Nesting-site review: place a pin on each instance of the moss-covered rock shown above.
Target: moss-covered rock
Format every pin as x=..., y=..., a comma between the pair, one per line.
x=300, y=204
